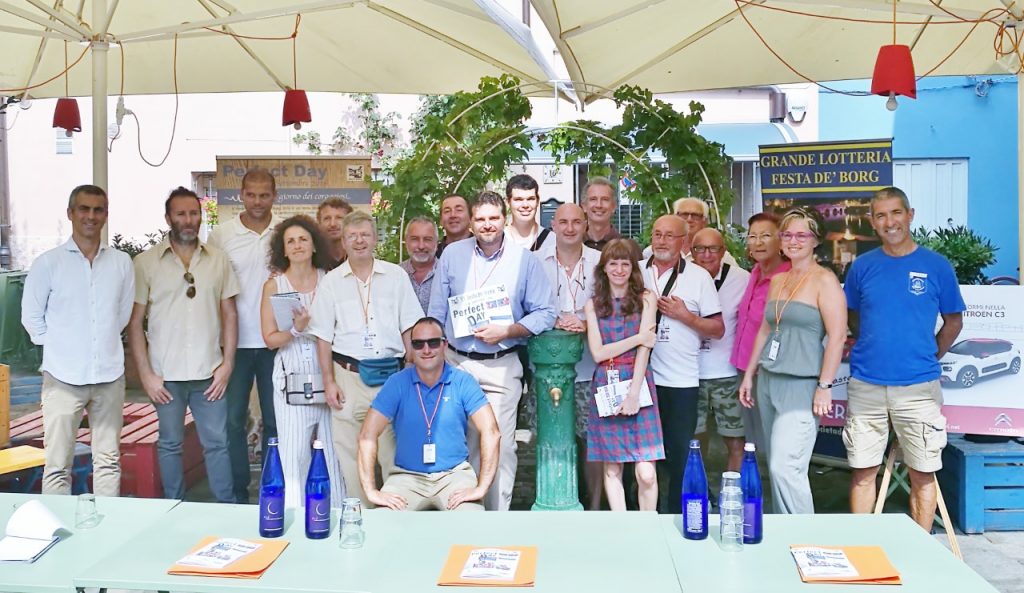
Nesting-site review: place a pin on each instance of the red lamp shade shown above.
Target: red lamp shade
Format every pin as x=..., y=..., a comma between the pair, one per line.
x=66, y=115
x=296, y=109
x=894, y=72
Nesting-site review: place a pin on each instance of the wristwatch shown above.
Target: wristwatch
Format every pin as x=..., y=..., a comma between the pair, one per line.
x=825, y=385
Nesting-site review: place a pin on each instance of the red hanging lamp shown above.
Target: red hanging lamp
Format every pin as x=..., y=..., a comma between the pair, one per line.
x=296, y=104
x=894, y=70
x=66, y=114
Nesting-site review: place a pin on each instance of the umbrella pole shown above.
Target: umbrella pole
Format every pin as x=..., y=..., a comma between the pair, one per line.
x=100, y=49
x=1020, y=177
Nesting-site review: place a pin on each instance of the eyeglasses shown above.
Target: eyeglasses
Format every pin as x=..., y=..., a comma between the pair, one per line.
x=762, y=238
x=690, y=214
x=665, y=236
x=713, y=249
x=800, y=237
x=434, y=343
x=190, y=292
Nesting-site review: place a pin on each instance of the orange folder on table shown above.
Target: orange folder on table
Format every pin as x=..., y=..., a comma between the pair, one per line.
x=250, y=566
x=872, y=565
x=525, y=574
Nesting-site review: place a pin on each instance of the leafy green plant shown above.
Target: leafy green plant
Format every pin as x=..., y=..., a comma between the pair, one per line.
x=969, y=252
x=134, y=247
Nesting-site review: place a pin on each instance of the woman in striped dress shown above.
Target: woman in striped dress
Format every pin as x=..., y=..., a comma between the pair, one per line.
x=620, y=332
x=300, y=256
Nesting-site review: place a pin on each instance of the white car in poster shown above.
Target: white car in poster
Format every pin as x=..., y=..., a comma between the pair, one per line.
x=974, y=358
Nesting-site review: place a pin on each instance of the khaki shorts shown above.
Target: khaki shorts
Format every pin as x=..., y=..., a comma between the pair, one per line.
x=915, y=412
x=431, y=491
x=722, y=396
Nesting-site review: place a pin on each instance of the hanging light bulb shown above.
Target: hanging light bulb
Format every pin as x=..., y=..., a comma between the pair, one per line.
x=891, y=104
x=894, y=70
x=296, y=109
x=67, y=116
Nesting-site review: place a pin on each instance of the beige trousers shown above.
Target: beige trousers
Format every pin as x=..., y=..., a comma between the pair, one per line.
x=431, y=491
x=345, y=425
x=63, y=406
x=501, y=381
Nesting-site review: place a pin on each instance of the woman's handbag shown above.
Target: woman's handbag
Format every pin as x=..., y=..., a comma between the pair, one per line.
x=375, y=371
x=300, y=390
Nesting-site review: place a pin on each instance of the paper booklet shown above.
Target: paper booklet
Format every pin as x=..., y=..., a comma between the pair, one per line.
x=609, y=397
x=863, y=565
x=229, y=557
x=31, y=531
x=505, y=566
x=284, y=304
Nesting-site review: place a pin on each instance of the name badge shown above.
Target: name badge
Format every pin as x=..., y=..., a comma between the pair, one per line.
x=307, y=351
x=613, y=376
x=773, y=350
x=705, y=345
x=663, y=332
x=369, y=339
x=429, y=453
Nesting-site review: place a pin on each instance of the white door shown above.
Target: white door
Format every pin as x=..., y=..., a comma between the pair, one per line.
x=937, y=189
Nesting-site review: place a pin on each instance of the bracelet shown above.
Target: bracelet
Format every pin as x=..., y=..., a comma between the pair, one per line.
x=825, y=385
x=294, y=332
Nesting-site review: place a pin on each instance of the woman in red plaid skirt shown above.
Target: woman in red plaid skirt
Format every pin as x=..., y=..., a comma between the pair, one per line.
x=621, y=333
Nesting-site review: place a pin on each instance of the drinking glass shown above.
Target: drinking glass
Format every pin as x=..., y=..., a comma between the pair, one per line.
x=86, y=516
x=351, y=535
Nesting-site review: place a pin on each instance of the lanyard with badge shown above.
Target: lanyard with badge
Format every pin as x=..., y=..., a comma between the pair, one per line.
x=676, y=270
x=705, y=343
x=429, y=448
x=773, y=347
x=369, y=337
x=576, y=280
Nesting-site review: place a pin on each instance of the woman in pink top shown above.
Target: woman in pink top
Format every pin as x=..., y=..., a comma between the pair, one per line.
x=765, y=249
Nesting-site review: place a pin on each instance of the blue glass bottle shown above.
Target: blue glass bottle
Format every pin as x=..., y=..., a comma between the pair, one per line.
x=753, y=498
x=272, y=493
x=318, y=495
x=695, y=495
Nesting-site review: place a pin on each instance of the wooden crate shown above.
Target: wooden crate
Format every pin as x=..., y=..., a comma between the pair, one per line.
x=5, y=405
x=983, y=484
x=140, y=470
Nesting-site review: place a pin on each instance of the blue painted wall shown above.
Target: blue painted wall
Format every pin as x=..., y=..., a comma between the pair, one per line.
x=953, y=117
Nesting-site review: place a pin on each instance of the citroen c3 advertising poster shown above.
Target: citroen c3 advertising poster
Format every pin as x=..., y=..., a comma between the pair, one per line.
x=982, y=384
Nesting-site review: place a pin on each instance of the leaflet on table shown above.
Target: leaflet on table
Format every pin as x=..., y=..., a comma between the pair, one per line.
x=284, y=304
x=865, y=565
x=504, y=566
x=31, y=531
x=230, y=557
x=609, y=397
x=479, y=307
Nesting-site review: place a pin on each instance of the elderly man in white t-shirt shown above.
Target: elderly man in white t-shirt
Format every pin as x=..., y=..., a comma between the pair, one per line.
x=688, y=312
x=719, y=380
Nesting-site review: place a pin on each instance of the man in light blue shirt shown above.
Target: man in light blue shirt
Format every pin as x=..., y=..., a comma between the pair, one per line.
x=500, y=297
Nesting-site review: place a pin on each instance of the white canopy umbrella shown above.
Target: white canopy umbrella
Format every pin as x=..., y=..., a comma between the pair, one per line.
x=682, y=45
x=388, y=46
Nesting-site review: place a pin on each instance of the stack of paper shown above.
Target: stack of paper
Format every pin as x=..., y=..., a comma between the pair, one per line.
x=31, y=531
x=511, y=566
x=863, y=565
x=230, y=557
x=284, y=305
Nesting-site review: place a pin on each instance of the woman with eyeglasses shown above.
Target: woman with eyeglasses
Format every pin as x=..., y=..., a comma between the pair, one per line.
x=765, y=248
x=794, y=386
x=620, y=333
x=300, y=256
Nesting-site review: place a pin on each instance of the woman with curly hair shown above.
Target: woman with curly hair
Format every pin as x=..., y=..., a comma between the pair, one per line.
x=620, y=333
x=301, y=256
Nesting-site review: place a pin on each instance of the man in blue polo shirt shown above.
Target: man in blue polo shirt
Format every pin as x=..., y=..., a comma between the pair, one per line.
x=895, y=294
x=428, y=405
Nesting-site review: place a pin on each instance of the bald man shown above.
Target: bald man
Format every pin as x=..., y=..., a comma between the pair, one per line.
x=688, y=312
x=719, y=380
x=695, y=214
x=569, y=265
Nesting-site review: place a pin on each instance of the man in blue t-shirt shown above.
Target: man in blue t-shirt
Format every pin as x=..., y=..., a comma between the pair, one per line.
x=428, y=405
x=895, y=294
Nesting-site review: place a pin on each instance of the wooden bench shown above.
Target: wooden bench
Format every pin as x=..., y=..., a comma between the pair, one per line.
x=140, y=470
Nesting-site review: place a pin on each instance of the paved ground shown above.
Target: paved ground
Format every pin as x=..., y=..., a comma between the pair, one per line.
x=996, y=556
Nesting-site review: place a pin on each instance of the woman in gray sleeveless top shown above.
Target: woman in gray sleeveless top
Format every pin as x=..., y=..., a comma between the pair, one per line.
x=794, y=386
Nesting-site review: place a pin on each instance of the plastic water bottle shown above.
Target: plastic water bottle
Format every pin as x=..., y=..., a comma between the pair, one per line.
x=753, y=499
x=695, y=495
x=272, y=493
x=318, y=495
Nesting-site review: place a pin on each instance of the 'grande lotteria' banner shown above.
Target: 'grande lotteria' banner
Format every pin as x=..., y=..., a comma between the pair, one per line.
x=982, y=386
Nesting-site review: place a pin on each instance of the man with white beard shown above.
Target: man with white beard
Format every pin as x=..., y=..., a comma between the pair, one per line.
x=421, y=244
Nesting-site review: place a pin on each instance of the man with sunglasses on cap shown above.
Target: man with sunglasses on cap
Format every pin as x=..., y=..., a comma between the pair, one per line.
x=185, y=303
x=429, y=405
